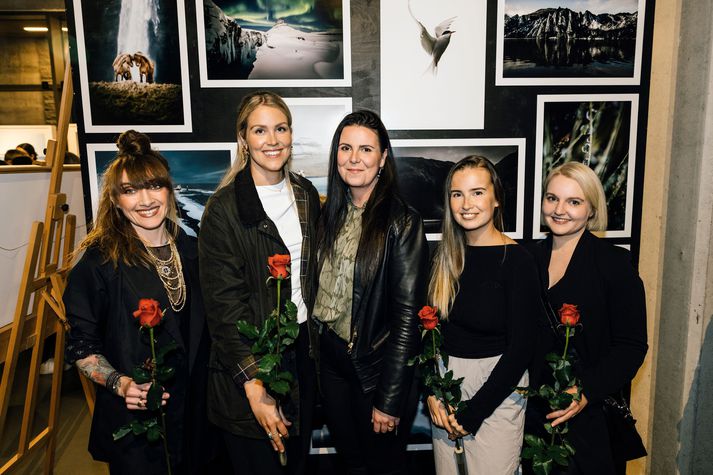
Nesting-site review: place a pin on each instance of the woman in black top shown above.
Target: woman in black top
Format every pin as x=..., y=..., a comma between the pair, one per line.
x=135, y=251
x=580, y=269
x=487, y=290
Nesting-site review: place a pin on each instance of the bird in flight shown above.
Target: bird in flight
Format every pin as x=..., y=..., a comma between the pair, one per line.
x=436, y=45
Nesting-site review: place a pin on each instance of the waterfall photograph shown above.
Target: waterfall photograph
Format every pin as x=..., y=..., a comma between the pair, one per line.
x=578, y=42
x=133, y=64
x=248, y=43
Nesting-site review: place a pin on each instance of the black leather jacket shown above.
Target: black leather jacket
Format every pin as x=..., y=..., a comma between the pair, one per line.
x=235, y=241
x=384, y=323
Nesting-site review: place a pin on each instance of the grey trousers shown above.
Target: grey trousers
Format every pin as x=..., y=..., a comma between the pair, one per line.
x=495, y=448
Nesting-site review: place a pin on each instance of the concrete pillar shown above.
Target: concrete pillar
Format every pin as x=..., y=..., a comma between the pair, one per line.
x=681, y=271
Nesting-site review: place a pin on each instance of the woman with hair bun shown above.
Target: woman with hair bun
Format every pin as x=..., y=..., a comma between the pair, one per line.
x=136, y=251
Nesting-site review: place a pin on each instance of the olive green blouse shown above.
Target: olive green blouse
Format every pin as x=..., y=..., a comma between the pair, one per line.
x=333, y=305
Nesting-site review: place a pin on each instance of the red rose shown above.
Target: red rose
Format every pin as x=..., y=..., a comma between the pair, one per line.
x=279, y=265
x=429, y=317
x=149, y=313
x=569, y=315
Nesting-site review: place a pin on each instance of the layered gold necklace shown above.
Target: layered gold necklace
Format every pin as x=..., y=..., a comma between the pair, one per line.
x=170, y=271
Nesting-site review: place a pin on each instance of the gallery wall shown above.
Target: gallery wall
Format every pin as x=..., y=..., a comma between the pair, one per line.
x=525, y=83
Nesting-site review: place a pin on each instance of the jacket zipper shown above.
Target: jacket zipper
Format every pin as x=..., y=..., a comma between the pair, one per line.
x=350, y=346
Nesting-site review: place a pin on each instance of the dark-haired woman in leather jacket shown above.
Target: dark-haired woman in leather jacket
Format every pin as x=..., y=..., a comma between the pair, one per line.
x=373, y=260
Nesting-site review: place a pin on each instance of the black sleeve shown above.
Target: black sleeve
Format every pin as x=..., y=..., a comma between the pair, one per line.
x=86, y=303
x=225, y=292
x=626, y=308
x=522, y=306
x=407, y=273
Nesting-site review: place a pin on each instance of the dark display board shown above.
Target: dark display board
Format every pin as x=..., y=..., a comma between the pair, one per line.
x=529, y=84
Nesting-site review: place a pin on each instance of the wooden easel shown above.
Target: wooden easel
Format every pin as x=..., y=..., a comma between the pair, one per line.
x=44, y=277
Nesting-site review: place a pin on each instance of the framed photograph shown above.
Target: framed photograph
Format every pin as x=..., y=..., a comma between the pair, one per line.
x=314, y=120
x=133, y=65
x=274, y=44
x=598, y=130
x=196, y=169
x=579, y=42
x=433, y=64
x=423, y=167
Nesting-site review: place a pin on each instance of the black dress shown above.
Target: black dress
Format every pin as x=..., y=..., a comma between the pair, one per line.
x=611, y=342
x=100, y=301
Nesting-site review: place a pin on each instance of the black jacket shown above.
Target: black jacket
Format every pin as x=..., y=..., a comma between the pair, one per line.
x=385, y=311
x=611, y=342
x=100, y=300
x=235, y=241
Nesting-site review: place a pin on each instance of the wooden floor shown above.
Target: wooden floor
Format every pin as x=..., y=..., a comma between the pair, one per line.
x=72, y=457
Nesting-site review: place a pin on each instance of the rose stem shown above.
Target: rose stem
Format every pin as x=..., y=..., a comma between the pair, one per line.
x=438, y=370
x=160, y=409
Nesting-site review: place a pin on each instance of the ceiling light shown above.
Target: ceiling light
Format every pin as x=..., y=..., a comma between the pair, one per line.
x=64, y=28
x=35, y=28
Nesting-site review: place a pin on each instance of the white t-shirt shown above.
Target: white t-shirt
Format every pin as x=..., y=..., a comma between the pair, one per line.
x=280, y=206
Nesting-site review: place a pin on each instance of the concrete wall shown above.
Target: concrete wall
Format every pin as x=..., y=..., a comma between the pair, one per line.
x=672, y=392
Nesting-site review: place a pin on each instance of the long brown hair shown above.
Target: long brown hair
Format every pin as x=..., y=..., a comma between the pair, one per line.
x=112, y=233
x=449, y=259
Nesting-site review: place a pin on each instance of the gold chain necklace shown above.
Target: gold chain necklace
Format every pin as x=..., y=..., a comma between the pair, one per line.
x=170, y=271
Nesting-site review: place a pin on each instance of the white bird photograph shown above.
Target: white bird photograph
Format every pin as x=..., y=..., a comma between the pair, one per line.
x=433, y=56
x=434, y=45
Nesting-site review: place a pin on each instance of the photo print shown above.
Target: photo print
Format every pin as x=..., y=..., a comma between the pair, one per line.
x=423, y=166
x=433, y=62
x=133, y=65
x=314, y=120
x=599, y=131
x=578, y=42
x=196, y=169
x=252, y=43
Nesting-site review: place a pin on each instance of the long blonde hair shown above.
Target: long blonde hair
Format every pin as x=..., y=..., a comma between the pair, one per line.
x=112, y=233
x=449, y=258
x=247, y=106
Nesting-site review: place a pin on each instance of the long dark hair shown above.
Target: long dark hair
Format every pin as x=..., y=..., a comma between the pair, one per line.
x=375, y=219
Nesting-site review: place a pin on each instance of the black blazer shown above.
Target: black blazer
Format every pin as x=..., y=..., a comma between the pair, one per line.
x=602, y=282
x=100, y=301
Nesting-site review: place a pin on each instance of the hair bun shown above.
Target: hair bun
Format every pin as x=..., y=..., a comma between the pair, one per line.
x=132, y=142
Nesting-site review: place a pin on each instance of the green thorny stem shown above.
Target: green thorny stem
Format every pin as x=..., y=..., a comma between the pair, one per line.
x=160, y=409
x=564, y=355
x=436, y=354
x=282, y=455
x=279, y=283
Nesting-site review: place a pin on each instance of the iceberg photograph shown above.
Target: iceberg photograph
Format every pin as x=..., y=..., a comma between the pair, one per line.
x=251, y=43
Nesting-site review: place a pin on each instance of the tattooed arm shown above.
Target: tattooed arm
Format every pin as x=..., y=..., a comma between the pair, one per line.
x=98, y=369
